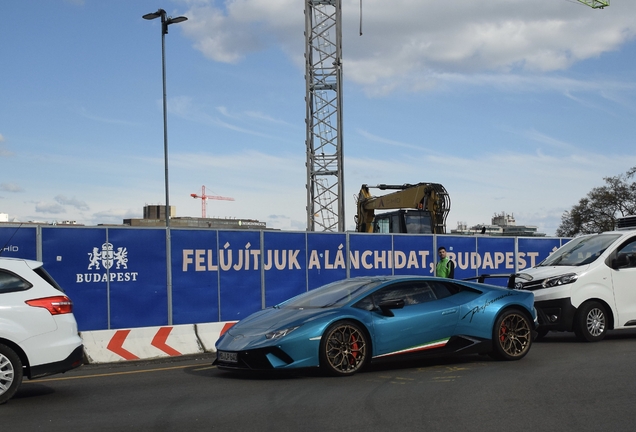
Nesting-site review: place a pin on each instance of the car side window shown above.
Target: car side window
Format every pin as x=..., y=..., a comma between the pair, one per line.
x=411, y=292
x=444, y=289
x=12, y=283
x=626, y=255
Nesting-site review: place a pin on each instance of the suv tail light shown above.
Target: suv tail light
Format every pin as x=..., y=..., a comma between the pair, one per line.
x=55, y=305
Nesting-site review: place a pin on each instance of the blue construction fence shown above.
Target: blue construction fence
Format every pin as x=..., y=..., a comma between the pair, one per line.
x=118, y=277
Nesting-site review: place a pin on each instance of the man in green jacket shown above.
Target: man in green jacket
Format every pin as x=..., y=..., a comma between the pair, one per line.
x=445, y=267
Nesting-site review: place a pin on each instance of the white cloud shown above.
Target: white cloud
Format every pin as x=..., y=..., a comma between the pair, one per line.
x=4, y=152
x=115, y=216
x=11, y=187
x=247, y=141
x=186, y=108
x=222, y=35
x=410, y=44
x=84, y=113
x=49, y=208
x=73, y=202
x=371, y=137
x=536, y=188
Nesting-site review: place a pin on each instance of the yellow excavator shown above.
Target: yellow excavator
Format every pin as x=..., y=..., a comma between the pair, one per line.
x=422, y=208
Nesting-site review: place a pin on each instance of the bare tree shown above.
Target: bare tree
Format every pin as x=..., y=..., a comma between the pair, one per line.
x=601, y=207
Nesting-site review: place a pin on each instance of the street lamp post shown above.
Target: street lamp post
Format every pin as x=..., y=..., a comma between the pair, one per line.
x=165, y=22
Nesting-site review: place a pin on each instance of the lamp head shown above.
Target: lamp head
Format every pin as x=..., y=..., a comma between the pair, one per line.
x=165, y=21
x=177, y=20
x=153, y=15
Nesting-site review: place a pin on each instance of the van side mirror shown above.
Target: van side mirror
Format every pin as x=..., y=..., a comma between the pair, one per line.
x=620, y=261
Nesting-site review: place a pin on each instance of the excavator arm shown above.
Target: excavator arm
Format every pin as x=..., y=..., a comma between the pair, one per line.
x=430, y=198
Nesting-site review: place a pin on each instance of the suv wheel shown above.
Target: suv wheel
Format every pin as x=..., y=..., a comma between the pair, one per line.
x=10, y=373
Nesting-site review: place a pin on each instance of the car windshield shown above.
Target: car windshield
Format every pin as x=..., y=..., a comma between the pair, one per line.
x=580, y=251
x=334, y=294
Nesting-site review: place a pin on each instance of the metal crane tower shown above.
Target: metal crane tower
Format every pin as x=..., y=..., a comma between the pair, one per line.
x=323, y=79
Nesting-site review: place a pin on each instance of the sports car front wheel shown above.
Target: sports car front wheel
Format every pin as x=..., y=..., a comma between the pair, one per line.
x=512, y=335
x=343, y=348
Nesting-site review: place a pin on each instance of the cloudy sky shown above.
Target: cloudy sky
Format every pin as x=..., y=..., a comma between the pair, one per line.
x=515, y=106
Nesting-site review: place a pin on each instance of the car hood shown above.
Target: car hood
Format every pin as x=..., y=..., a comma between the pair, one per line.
x=543, y=272
x=276, y=318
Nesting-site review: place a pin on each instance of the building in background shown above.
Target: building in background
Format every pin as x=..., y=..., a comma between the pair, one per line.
x=501, y=225
x=158, y=212
x=4, y=219
x=155, y=216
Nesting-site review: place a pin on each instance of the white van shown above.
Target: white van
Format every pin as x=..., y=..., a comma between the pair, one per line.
x=587, y=286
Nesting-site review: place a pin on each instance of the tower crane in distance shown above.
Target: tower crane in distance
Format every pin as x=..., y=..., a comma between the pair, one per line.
x=204, y=200
x=596, y=4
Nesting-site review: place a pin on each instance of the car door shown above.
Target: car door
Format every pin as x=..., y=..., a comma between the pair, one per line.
x=624, y=282
x=426, y=321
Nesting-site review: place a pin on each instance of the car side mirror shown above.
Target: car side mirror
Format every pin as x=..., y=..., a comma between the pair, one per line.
x=387, y=305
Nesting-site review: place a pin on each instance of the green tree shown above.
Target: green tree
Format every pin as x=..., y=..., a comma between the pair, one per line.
x=601, y=207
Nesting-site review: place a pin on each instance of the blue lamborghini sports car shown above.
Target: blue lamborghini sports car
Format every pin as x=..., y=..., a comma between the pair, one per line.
x=344, y=325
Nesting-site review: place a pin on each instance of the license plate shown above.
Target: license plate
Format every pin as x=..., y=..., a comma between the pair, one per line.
x=228, y=357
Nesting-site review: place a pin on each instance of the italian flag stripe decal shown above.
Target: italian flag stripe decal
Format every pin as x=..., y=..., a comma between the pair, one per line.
x=430, y=345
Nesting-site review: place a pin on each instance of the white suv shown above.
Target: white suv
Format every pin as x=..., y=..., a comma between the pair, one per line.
x=38, y=332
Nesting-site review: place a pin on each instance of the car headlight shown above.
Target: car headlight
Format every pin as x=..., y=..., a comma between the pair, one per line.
x=559, y=280
x=280, y=333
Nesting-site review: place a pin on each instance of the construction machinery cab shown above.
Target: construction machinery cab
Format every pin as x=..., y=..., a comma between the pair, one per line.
x=411, y=221
x=420, y=209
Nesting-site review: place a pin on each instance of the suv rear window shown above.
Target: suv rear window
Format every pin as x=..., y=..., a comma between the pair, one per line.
x=47, y=277
x=10, y=282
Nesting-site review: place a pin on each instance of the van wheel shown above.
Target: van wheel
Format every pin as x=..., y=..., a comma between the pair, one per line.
x=10, y=373
x=591, y=322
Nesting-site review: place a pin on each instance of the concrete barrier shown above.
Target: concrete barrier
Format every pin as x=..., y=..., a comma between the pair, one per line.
x=209, y=333
x=110, y=346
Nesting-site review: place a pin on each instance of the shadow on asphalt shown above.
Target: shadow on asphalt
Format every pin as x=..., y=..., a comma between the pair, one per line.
x=569, y=337
x=317, y=372
x=32, y=390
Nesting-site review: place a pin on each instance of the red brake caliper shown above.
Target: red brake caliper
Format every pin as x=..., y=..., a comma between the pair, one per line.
x=354, y=349
x=502, y=333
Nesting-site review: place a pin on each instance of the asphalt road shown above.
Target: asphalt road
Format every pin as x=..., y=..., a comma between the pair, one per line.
x=561, y=385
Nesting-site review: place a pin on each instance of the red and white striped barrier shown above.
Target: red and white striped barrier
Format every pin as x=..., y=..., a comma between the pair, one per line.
x=110, y=346
x=209, y=333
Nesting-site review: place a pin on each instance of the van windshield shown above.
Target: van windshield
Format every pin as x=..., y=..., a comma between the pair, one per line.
x=580, y=251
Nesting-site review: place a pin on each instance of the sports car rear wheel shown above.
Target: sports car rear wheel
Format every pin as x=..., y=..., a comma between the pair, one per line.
x=343, y=348
x=512, y=335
